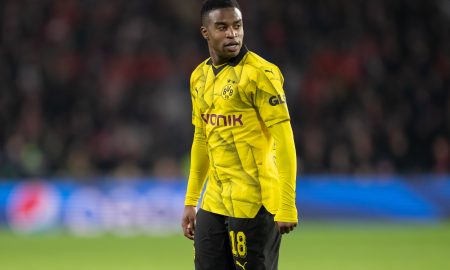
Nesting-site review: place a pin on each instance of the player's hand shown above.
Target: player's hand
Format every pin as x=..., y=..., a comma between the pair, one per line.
x=188, y=221
x=286, y=227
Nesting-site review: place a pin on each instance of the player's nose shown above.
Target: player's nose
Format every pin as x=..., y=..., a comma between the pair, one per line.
x=231, y=33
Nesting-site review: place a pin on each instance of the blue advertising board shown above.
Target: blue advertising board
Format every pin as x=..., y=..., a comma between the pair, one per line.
x=151, y=206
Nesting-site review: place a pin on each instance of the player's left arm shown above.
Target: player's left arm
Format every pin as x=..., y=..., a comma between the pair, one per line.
x=270, y=101
x=286, y=216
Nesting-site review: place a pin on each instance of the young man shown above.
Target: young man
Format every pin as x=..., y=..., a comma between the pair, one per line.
x=243, y=145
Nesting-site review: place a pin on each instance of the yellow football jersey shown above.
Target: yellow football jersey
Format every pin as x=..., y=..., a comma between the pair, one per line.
x=235, y=104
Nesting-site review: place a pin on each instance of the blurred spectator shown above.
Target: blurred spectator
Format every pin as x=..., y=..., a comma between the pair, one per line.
x=101, y=87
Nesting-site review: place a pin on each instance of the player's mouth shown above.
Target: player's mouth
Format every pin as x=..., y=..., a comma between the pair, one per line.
x=232, y=46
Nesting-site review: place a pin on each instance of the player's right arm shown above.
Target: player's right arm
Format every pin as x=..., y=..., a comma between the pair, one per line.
x=199, y=163
x=199, y=166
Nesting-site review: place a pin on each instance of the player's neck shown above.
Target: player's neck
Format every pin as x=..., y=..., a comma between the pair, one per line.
x=216, y=59
x=217, y=62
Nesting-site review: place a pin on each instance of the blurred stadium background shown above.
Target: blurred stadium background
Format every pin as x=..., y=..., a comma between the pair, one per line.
x=95, y=130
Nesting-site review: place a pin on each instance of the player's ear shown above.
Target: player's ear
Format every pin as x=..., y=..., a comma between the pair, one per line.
x=204, y=32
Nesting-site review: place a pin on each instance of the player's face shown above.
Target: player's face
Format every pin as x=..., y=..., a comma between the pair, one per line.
x=224, y=32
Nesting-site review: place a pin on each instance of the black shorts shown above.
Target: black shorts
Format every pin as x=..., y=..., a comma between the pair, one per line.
x=226, y=243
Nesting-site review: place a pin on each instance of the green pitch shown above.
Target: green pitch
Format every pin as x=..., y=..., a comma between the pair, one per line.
x=315, y=246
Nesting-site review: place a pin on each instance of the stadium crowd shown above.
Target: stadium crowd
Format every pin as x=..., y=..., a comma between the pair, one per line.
x=94, y=88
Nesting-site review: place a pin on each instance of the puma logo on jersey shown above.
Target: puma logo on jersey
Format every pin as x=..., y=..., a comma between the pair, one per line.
x=222, y=120
x=240, y=265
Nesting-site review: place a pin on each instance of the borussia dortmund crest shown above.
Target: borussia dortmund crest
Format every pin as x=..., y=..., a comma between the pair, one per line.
x=227, y=92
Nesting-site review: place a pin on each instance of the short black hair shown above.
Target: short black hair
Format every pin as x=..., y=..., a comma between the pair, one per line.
x=209, y=5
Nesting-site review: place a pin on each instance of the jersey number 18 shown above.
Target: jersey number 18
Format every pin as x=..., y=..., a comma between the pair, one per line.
x=238, y=244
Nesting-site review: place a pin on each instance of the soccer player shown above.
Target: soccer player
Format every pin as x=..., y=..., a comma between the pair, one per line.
x=243, y=148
